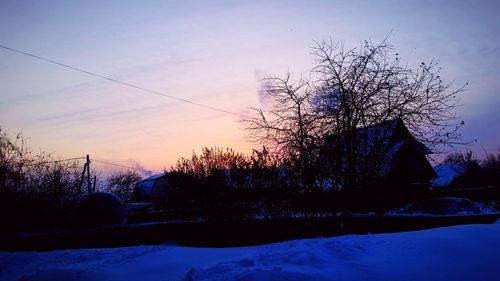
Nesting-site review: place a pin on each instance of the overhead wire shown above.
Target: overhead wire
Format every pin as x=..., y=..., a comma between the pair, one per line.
x=118, y=82
x=113, y=164
x=52, y=161
x=121, y=82
x=68, y=159
x=82, y=158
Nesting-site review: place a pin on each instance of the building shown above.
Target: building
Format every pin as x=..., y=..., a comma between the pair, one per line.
x=144, y=188
x=382, y=154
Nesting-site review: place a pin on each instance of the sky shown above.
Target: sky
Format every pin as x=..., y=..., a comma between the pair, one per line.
x=214, y=53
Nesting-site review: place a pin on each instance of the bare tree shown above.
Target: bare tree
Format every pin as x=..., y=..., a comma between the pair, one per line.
x=290, y=127
x=353, y=94
x=36, y=191
x=360, y=90
x=365, y=86
x=22, y=171
x=122, y=183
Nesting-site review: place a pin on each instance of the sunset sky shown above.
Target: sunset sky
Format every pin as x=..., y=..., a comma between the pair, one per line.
x=214, y=53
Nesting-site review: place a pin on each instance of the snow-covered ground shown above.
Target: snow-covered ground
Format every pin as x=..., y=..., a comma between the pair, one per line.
x=446, y=206
x=466, y=252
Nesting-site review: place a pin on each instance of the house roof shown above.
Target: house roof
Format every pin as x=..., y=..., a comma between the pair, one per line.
x=391, y=132
x=146, y=185
x=447, y=173
x=152, y=178
x=383, y=142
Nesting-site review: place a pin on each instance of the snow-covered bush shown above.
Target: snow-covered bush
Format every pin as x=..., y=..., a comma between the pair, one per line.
x=98, y=209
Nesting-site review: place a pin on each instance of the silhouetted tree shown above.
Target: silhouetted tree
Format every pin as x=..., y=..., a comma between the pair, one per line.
x=290, y=127
x=491, y=167
x=36, y=191
x=351, y=93
x=122, y=183
x=216, y=166
x=268, y=170
x=464, y=160
x=471, y=174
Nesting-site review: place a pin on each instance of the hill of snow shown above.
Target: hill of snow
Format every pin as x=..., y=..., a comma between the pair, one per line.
x=466, y=252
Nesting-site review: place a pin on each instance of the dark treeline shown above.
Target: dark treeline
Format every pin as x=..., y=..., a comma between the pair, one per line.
x=35, y=191
x=39, y=192
x=351, y=135
x=475, y=172
x=222, y=184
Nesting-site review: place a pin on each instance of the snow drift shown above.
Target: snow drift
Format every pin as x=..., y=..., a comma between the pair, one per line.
x=466, y=252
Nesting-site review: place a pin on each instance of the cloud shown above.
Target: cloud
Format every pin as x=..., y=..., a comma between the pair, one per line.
x=264, y=86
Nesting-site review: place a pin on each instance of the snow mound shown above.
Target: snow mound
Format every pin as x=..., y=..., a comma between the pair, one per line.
x=466, y=252
x=98, y=209
x=443, y=206
x=62, y=275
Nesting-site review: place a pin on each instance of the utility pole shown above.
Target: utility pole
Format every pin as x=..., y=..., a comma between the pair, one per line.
x=89, y=186
x=82, y=178
x=54, y=178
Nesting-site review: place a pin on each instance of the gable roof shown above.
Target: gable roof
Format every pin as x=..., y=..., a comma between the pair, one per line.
x=383, y=143
x=144, y=187
x=391, y=133
x=446, y=173
x=152, y=178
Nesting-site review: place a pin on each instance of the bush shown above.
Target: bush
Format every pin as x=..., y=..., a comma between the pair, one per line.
x=220, y=179
x=36, y=191
x=491, y=166
x=216, y=166
x=224, y=168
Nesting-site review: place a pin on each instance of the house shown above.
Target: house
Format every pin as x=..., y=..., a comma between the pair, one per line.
x=447, y=174
x=144, y=188
x=459, y=175
x=406, y=161
x=384, y=154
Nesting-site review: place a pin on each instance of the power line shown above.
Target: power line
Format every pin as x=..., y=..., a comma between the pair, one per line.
x=113, y=164
x=68, y=159
x=52, y=161
x=81, y=158
x=120, y=82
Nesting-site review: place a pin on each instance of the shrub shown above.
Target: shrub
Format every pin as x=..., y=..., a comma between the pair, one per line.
x=491, y=166
x=36, y=191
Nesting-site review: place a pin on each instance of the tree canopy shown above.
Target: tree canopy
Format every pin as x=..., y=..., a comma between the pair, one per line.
x=349, y=90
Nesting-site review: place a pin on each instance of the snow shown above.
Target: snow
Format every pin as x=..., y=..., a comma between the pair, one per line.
x=447, y=173
x=466, y=252
x=144, y=187
x=153, y=177
x=445, y=206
